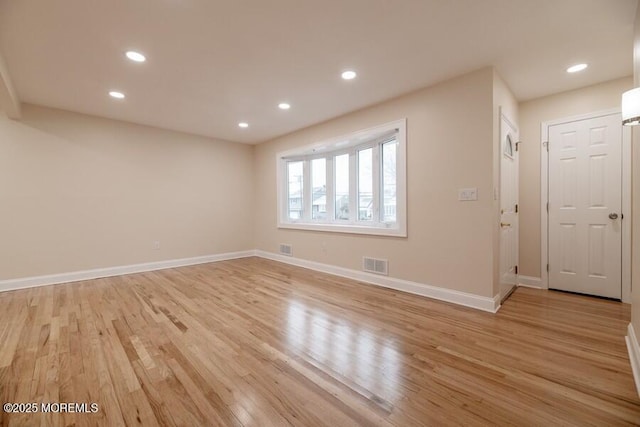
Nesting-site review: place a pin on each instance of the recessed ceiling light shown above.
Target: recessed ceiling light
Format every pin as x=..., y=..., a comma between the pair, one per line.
x=135, y=56
x=284, y=106
x=243, y=124
x=349, y=74
x=576, y=68
x=116, y=94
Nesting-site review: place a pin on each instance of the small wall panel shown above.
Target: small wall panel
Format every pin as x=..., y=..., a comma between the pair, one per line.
x=598, y=135
x=597, y=252
x=597, y=180
x=568, y=141
x=569, y=182
x=568, y=243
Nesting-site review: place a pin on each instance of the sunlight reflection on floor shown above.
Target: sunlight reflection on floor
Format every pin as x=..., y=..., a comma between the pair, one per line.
x=335, y=345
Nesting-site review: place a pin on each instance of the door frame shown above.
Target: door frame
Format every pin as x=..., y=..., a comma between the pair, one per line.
x=513, y=127
x=626, y=198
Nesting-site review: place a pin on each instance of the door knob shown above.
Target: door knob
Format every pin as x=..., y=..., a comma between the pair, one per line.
x=613, y=215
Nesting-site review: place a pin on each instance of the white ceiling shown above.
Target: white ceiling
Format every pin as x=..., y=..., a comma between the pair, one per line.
x=213, y=63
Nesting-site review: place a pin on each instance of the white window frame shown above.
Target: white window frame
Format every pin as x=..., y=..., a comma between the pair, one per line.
x=351, y=144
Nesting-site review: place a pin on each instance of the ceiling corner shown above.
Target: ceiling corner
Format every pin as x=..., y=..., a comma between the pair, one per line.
x=9, y=101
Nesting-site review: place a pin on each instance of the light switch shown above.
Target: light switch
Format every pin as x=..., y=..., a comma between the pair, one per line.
x=467, y=194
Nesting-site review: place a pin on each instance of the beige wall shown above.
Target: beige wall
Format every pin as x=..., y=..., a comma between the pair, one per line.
x=505, y=102
x=80, y=186
x=79, y=192
x=86, y=192
x=449, y=146
x=532, y=113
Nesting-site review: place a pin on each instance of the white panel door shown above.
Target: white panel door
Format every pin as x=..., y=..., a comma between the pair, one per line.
x=508, y=209
x=585, y=204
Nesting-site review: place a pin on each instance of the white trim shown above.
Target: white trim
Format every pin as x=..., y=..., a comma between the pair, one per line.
x=511, y=123
x=345, y=228
x=544, y=198
x=461, y=298
x=626, y=198
x=634, y=355
x=511, y=131
x=381, y=131
x=76, y=276
x=530, y=282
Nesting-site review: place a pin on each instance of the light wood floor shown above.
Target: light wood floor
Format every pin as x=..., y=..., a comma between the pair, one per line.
x=255, y=342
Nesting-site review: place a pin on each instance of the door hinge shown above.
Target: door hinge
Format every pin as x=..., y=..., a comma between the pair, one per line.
x=517, y=145
x=516, y=269
x=516, y=208
x=547, y=268
x=546, y=144
x=547, y=207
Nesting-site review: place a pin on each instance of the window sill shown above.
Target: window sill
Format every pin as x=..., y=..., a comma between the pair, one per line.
x=347, y=228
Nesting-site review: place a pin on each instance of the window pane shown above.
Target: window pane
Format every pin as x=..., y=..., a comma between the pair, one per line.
x=365, y=184
x=341, y=165
x=389, y=150
x=295, y=189
x=319, y=189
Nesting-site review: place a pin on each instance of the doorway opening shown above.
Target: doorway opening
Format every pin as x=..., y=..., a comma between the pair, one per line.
x=509, y=224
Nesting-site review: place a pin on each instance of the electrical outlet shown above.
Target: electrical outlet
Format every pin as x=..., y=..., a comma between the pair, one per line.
x=467, y=194
x=155, y=245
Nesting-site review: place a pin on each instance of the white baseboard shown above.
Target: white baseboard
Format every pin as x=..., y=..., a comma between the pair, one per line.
x=462, y=298
x=530, y=282
x=634, y=355
x=30, y=282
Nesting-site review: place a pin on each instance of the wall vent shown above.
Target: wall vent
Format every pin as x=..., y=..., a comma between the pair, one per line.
x=377, y=266
x=286, y=249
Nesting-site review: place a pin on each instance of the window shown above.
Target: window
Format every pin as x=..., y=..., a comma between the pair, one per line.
x=341, y=166
x=389, y=191
x=508, y=146
x=295, y=189
x=354, y=184
x=365, y=184
x=319, y=188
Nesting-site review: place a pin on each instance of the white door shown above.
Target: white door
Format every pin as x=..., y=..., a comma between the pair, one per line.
x=508, y=208
x=585, y=204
